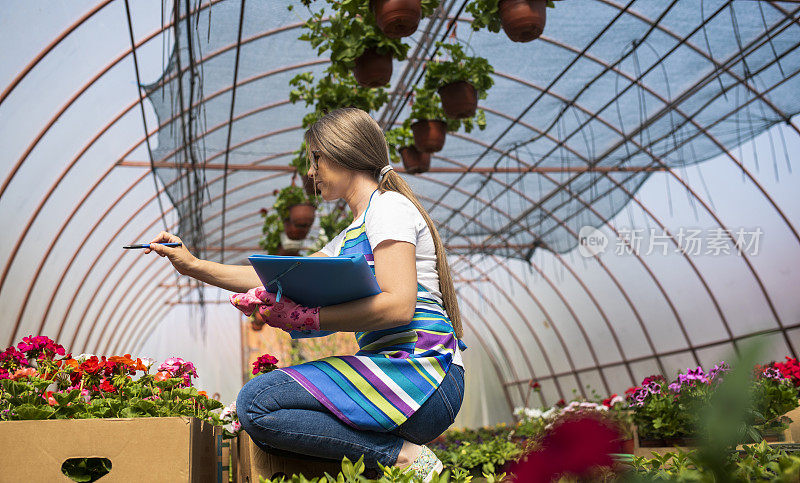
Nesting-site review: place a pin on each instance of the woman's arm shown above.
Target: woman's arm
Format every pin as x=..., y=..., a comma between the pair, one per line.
x=396, y=272
x=236, y=278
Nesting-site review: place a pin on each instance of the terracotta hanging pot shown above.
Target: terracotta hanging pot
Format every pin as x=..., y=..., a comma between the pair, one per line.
x=295, y=232
x=373, y=69
x=523, y=20
x=256, y=325
x=302, y=214
x=429, y=135
x=415, y=161
x=397, y=18
x=459, y=99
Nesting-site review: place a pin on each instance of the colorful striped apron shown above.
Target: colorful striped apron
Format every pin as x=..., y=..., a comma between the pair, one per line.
x=395, y=370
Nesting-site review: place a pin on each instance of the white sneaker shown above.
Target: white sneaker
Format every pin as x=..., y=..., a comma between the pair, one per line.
x=425, y=466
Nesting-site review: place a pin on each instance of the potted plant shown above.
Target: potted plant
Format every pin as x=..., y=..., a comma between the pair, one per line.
x=430, y=125
x=333, y=91
x=460, y=81
x=401, y=146
x=400, y=18
x=355, y=43
x=296, y=211
x=521, y=20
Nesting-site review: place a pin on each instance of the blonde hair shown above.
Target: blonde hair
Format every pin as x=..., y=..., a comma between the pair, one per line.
x=352, y=139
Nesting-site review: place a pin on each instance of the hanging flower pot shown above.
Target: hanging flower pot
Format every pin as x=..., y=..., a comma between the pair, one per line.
x=429, y=135
x=373, y=69
x=397, y=18
x=295, y=232
x=522, y=20
x=415, y=161
x=459, y=99
x=302, y=214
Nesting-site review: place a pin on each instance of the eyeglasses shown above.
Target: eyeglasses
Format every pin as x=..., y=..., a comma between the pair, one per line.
x=315, y=159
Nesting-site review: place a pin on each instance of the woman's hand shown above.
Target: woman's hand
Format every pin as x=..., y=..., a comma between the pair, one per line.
x=180, y=257
x=286, y=314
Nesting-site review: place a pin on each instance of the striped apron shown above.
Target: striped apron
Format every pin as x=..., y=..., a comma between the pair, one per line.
x=395, y=370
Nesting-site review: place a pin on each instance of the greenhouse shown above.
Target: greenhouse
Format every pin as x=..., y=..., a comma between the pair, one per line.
x=601, y=220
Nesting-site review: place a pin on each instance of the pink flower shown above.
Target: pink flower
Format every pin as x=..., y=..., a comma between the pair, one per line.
x=177, y=367
x=10, y=360
x=40, y=346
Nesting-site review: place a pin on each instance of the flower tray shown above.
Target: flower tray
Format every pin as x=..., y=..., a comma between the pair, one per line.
x=139, y=449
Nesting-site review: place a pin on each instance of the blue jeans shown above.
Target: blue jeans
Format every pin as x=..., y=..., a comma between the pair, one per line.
x=283, y=418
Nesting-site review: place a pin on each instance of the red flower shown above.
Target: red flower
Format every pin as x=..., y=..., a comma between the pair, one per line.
x=106, y=386
x=607, y=401
x=561, y=403
x=573, y=447
x=535, y=385
x=91, y=365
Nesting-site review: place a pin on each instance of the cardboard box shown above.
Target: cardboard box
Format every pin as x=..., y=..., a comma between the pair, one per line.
x=253, y=461
x=140, y=449
x=223, y=453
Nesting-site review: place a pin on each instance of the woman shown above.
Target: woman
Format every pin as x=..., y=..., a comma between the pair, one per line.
x=405, y=385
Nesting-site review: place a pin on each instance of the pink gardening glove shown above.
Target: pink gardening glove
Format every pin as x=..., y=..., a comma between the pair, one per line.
x=286, y=314
x=246, y=302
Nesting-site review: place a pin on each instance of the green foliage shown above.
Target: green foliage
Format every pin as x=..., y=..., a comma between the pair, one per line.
x=272, y=229
x=486, y=457
x=354, y=473
x=772, y=399
x=758, y=462
x=86, y=469
x=143, y=397
x=668, y=415
x=331, y=92
x=461, y=67
x=347, y=33
x=332, y=224
x=288, y=197
x=485, y=14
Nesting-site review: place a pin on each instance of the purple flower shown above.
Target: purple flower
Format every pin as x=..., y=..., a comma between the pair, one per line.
x=675, y=387
x=772, y=373
x=719, y=370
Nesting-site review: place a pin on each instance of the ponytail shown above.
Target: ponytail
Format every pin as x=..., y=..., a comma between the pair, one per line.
x=392, y=181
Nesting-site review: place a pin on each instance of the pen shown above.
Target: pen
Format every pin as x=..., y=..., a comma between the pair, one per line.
x=128, y=247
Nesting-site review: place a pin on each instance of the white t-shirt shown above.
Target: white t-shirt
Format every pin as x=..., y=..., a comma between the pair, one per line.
x=392, y=216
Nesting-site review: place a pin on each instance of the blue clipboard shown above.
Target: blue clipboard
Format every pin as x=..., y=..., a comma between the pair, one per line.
x=316, y=281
